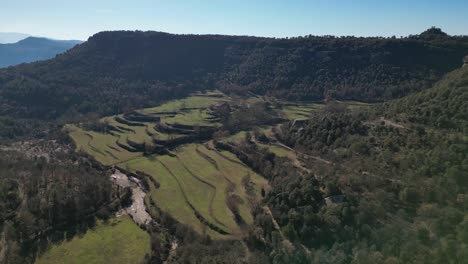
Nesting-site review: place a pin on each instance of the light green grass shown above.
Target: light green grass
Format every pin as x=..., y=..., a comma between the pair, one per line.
x=137, y=134
x=279, y=151
x=293, y=111
x=355, y=105
x=118, y=241
x=189, y=102
x=191, y=118
x=100, y=145
x=235, y=172
x=239, y=136
x=198, y=193
x=170, y=196
x=205, y=170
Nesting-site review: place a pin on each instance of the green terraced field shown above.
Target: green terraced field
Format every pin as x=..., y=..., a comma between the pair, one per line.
x=299, y=111
x=191, y=118
x=191, y=179
x=197, y=183
x=117, y=241
x=236, y=137
x=119, y=144
x=102, y=147
x=233, y=170
x=189, y=102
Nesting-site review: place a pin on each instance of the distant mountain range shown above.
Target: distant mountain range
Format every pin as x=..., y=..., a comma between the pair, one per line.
x=12, y=37
x=31, y=49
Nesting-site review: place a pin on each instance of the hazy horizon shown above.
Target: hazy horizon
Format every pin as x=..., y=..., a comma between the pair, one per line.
x=59, y=20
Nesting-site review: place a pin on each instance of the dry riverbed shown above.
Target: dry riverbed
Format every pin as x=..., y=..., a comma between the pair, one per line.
x=137, y=210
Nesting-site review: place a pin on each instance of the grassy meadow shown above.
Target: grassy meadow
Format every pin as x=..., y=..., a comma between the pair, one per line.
x=118, y=240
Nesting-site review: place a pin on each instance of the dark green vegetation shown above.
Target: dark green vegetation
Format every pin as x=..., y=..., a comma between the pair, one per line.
x=393, y=192
x=247, y=175
x=116, y=71
x=33, y=49
x=47, y=201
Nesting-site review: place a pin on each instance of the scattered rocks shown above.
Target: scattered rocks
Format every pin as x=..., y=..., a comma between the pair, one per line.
x=137, y=210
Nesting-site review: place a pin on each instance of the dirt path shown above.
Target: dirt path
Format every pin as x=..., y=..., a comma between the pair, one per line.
x=285, y=240
x=386, y=122
x=391, y=123
x=281, y=145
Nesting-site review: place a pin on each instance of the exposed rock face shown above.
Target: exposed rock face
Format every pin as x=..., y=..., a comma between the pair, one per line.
x=465, y=61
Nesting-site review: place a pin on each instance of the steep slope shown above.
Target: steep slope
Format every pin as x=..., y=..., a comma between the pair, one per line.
x=115, y=71
x=32, y=49
x=443, y=106
x=393, y=192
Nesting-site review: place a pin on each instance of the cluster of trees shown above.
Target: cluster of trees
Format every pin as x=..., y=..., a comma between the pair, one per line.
x=43, y=201
x=401, y=188
x=444, y=106
x=322, y=131
x=246, y=115
x=14, y=129
x=402, y=199
x=117, y=71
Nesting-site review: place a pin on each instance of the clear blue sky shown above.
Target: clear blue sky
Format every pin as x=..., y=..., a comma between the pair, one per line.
x=78, y=19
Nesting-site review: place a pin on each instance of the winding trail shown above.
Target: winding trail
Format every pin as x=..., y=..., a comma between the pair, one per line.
x=286, y=241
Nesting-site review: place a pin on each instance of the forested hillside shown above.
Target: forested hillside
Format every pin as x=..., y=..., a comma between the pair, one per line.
x=443, y=106
x=116, y=71
x=390, y=188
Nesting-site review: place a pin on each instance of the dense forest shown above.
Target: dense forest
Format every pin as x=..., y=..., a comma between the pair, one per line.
x=48, y=199
x=394, y=192
x=116, y=71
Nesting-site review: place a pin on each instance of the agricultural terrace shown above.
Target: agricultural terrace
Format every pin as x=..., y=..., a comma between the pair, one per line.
x=200, y=186
x=210, y=191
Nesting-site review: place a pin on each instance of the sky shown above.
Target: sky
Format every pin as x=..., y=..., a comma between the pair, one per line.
x=79, y=19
